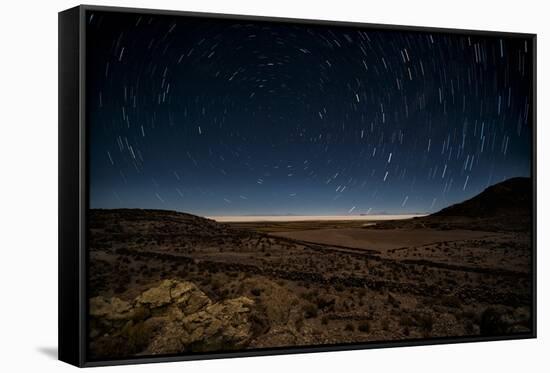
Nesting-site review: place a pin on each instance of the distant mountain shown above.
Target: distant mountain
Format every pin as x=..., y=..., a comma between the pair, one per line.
x=506, y=206
x=511, y=197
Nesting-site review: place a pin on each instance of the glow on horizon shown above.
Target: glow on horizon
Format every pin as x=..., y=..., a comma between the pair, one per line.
x=293, y=218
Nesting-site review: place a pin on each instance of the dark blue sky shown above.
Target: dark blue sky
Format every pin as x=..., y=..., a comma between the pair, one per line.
x=220, y=117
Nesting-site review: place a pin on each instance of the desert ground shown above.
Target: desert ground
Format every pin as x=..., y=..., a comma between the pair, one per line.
x=163, y=282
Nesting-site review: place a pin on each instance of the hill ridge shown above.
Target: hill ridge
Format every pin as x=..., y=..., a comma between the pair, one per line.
x=509, y=197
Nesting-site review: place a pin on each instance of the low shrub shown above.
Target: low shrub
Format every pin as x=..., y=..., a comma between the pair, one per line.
x=310, y=311
x=364, y=327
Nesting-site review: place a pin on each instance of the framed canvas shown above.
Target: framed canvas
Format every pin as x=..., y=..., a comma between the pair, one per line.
x=242, y=186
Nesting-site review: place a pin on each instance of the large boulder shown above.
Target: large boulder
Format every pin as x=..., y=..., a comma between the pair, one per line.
x=189, y=298
x=219, y=326
x=157, y=296
x=172, y=317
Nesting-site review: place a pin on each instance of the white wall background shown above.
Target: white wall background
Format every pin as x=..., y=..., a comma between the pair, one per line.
x=28, y=184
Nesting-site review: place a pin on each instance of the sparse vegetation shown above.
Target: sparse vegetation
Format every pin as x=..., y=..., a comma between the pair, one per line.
x=451, y=301
x=364, y=327
x=310, y=311
x=349, y=327
x=306, y=293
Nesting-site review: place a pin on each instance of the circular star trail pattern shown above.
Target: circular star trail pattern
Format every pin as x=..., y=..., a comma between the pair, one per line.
x=226, y=117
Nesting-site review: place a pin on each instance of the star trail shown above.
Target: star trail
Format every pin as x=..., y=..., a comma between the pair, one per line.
x=229, y=117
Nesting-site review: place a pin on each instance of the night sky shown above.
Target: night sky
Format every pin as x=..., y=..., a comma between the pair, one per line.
x=226, y=117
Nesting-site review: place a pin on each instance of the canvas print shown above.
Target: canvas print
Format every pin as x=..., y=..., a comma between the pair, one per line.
x=262, y=185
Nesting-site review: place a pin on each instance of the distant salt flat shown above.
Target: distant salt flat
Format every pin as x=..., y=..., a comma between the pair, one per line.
x=240, y=219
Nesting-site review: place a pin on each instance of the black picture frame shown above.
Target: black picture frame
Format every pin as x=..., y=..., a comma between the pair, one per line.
x=73, y=190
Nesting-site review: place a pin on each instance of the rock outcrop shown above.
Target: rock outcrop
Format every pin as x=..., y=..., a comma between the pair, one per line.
x=173, y=317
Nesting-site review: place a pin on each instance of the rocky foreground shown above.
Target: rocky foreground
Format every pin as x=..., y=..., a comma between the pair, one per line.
x=173, y=317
